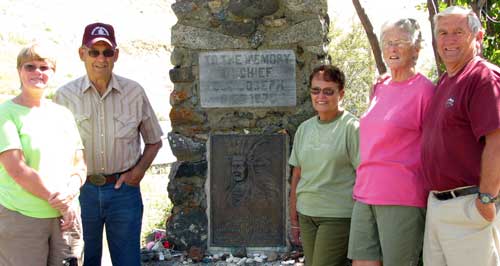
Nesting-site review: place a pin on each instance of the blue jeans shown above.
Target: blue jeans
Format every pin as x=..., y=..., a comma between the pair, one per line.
x=121, y=211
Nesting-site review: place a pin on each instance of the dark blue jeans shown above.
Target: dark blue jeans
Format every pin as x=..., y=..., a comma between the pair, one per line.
x=121, y=211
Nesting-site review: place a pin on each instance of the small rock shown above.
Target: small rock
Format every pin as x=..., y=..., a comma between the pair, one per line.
x=168, y=255
x=270, y=22
x=223, y=256
x=206, y=260
x=272, y=256
x=147, y=255
x=195, y=253
x=240, y=252
x=241, y=261
x=157, y=246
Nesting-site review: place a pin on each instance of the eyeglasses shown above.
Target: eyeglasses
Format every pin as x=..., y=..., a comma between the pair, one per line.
x=326, y=91
x=33, y=68
x=106, y=53
x=396, y=43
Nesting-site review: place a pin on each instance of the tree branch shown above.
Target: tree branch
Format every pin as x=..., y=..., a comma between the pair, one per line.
x=372, y=38
x=433, y=7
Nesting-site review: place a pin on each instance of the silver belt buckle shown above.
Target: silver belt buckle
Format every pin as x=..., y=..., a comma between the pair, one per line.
x=98, y=180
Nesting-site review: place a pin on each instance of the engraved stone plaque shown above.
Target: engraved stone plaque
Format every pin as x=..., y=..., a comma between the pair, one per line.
x=263, y=78
x=247, y=199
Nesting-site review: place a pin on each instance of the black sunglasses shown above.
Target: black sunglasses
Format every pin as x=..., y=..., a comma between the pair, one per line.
x=33, y=68
x=326, y=91
x=106, y=53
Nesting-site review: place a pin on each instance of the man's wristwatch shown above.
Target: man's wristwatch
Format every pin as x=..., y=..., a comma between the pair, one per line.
x=486, y=198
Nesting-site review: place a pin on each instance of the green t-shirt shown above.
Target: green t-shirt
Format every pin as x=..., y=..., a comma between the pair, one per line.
x=328, y=155
x=48, y=137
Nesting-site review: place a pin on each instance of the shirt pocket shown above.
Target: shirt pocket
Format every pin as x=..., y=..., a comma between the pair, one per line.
x=126, y=126
x=84, y=125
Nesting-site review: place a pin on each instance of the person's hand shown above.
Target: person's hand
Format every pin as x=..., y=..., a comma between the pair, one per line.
x=132, y=178
x=61, y=200
x=68, y=219
x=295, y=235
x=488, y=211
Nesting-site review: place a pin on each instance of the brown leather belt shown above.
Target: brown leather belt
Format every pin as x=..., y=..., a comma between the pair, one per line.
x=101, y=179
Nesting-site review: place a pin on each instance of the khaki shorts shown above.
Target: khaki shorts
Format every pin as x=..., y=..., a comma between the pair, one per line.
x=456, y=234
x=35, y=241
x=392, y=234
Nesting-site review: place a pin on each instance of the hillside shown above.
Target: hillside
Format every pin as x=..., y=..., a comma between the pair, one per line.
x=142, y=32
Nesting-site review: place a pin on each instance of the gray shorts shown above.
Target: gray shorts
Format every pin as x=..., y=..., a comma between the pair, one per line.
x=392, y=234
x=35, y=241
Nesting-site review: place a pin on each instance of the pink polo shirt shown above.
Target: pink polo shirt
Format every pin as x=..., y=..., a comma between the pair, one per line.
x=390, y=138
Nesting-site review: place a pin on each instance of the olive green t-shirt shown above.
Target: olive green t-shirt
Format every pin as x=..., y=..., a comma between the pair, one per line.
x=328, y=155
x=48, y=138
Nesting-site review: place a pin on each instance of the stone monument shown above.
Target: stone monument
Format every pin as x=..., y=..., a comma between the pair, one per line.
x=241, y=68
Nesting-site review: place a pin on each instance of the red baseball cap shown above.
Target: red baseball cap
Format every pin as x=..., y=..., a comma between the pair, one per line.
x=99, y=32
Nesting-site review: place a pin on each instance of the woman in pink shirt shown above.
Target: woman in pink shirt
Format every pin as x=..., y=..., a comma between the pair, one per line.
x=388, y=218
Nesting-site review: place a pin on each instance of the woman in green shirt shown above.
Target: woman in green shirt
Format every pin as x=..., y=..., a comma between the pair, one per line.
x=324, y=157
x=41, y=170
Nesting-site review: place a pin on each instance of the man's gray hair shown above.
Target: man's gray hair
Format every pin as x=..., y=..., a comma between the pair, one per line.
x=472, y=19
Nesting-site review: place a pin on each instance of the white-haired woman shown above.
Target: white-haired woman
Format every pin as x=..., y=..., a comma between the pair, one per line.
x=387, y=225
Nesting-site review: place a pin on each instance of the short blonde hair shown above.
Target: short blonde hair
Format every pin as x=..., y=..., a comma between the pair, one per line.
x=36, y=52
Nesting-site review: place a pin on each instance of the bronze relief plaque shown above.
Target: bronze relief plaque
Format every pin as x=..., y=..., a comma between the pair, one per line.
x=247, y=190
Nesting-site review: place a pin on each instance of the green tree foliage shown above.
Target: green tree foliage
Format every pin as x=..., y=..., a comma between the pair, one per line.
x=351, y=52
x=491, y=22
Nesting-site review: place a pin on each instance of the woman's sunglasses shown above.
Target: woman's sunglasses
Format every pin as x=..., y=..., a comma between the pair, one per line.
x=33, y=68
x=326, y=91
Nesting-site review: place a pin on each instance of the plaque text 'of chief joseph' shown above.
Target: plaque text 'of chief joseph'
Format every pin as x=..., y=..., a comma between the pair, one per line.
x=247, y=78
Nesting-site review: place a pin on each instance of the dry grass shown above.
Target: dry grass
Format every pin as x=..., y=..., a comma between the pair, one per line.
x=157, y=205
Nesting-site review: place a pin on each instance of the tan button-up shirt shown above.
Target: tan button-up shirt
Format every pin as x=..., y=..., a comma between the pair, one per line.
x=110, y=124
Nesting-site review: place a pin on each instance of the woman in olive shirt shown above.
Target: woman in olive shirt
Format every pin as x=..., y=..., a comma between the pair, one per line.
x=324, y=159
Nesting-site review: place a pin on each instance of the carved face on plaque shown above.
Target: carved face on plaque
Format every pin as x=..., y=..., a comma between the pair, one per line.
x=238, y=168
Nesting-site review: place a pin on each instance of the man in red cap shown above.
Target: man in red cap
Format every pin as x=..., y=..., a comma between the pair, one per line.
x=112, y=113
